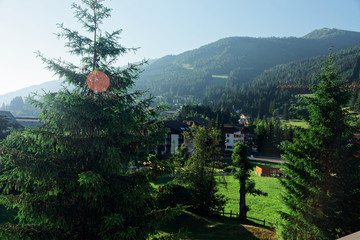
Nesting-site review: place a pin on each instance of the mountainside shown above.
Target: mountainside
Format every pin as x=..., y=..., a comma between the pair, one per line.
x=236, y=59
x=240, y=72
x=50, y=86
x=273, y=92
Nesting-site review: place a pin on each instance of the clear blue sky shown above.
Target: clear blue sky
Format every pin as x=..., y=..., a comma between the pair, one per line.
x=158, y=27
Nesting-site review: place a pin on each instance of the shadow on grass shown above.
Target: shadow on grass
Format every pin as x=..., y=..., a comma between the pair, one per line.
x=215, y=227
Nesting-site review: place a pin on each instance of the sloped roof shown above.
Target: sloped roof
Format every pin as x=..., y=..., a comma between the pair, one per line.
x=176, y=126
x=29, y=122
x=230, y=128
x=12, y=120
x=198, y=120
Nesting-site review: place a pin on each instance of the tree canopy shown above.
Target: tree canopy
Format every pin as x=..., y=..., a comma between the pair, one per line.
x=322, y=187
x=70, y=178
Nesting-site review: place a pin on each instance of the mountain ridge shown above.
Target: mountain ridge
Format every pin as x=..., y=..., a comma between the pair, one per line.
x=239, y=59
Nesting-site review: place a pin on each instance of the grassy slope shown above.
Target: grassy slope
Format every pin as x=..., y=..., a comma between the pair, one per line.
x=222, y=228
x=210, y=228
x=294, y=123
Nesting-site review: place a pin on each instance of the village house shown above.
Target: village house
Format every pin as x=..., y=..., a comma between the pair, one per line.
x=174, y=137
x=196, y=121
x=235, y=133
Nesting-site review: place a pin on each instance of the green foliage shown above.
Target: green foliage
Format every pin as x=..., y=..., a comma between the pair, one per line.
x=180, y=157
x=269, y=134
x=170, y=195
x=323, y=183
x=70, y=178
x=218, y=116
x=199, y=173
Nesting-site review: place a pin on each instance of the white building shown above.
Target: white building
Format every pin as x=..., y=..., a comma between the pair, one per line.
x=174, y=137
x=234, y=133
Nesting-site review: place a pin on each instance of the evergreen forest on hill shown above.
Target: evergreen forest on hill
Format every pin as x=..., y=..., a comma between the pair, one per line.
x=242, y=73
x=265, y=93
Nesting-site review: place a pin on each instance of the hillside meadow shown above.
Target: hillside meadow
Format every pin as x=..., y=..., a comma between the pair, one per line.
x=217, y=227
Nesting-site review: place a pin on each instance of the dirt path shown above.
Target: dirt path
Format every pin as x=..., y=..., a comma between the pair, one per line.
x=267, y=159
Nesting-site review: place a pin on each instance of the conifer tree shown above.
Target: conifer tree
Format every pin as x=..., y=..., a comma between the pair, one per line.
x=199, y=173
x=322, y=187
x=247, y=185
x=70, y=178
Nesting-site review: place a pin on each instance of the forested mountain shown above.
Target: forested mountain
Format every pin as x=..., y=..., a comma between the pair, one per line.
x=265, y=95
x=50, y=86
x=236, y=60
x=241, y=73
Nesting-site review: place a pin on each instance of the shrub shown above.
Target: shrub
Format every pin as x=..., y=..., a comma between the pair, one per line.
x=172, y=194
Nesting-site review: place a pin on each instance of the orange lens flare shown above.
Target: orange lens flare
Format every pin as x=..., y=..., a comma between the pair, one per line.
x=98, y=81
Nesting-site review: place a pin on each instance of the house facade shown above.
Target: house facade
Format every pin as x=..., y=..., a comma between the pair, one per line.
x=174, y=137
x=235, y=133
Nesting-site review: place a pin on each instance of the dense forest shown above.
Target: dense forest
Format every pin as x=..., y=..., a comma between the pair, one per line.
x=265, y=94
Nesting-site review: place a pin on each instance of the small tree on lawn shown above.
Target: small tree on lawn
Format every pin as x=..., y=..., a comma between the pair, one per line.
x=71, y=176
x=247, y=185
x=199, y=173
x=322, y=190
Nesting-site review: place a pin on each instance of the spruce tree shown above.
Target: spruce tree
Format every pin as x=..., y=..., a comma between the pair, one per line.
x=199, y=172
x=322, y=187
x=247, y=185
x=70, y=178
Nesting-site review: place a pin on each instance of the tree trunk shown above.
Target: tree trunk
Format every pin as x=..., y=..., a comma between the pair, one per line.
x=242, y=203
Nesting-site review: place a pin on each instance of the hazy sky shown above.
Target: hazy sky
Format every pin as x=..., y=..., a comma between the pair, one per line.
x=158, y=27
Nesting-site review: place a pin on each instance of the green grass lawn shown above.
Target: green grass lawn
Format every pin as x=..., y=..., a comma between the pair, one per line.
x=261, y=207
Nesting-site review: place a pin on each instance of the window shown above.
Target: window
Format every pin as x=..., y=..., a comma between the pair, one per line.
x=227, y=140
x=229, y=147
x=227, y=135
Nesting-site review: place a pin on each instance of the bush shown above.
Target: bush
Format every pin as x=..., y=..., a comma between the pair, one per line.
x=229, y=169
x=172, y=194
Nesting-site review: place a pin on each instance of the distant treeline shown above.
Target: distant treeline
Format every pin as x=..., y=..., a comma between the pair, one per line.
x=18, y=107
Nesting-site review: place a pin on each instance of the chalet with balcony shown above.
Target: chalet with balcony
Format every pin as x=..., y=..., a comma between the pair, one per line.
x=235, y=133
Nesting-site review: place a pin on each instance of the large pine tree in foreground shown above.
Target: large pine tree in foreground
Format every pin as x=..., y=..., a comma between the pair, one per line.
x=70, y=178
x=322, y=187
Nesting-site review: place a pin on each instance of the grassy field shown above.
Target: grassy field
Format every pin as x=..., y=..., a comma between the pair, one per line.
x=261, y=207
x=215, y=228
x=294, y=123
x=220, y=76
x=188, y=66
